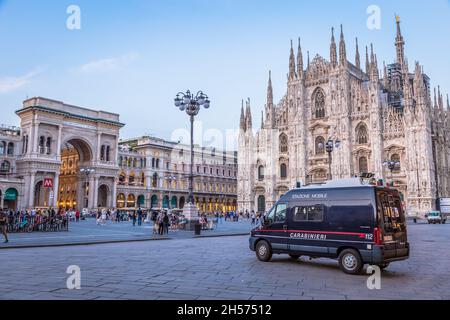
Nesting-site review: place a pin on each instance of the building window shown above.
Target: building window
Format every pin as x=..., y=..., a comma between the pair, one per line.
x=362, y=136
x=283, y=171
x=320, y=145
x=48, y=146
x=2, y=148
x=260, y=173
x=5, y=167
x=10, y=149
x=283, y=143
x=41, y=145
x=319, y=105
x=108, y=153
x=363, y=165
x=102, y=153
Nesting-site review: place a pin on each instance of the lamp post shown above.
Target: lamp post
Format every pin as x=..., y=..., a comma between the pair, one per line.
x=391, y=165
x=191, y=104
x=169, y=180
x=87, y=172
x=330, y=146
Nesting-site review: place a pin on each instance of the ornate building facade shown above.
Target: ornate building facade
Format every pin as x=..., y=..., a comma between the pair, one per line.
x=376, y=115
x=42, y=161
x=154, y=174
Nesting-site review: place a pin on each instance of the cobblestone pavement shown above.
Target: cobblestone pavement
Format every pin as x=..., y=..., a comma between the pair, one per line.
x=218, y=268
x=88, y=232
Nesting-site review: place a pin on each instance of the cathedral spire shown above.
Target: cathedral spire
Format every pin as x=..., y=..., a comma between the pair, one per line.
x=342, y=49
x=367, y=61
x=248, y=124
x=385, y=76
x=292, y=63
x=242, y=123
x=270, y=91
x=308, y=59
x=262, y=119
x=357, y=56
x=333, y=53
x=399, y=43
x=299, y=61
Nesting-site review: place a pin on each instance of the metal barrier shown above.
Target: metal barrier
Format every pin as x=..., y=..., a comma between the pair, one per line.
x=26, y=223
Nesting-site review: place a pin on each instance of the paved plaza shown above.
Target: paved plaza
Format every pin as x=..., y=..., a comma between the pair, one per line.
x=88, y=232
x=217, y=268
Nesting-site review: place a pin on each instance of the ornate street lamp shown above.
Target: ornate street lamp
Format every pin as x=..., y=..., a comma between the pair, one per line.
x=192, y=105
x=87, y=171
x=330, y=146
x=391, y=165
x=169, y=180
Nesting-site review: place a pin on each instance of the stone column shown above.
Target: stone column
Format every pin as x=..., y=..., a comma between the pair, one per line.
x=31, y=190
x=114, y=194
x=91, y=193
x=95, y=192
x=54, y=202
x=58, y=150
x=35, y=138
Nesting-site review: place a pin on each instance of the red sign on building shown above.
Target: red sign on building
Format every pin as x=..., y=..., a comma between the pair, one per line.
x=48, y=183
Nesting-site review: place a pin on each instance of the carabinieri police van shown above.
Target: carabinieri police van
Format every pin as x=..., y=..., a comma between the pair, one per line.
x=348, y=220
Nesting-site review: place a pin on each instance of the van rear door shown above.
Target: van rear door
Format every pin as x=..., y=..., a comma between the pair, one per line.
x=391, y=223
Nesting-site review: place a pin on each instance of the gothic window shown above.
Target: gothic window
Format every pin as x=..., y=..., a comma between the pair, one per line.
x=260, y=173
x=362, y=136
x=320, y=145
x=283, y=171
x=283, y=143
x=363, y=165
x=319, y=104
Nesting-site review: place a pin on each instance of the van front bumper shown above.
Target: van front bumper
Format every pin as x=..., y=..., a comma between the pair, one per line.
x=380, y=255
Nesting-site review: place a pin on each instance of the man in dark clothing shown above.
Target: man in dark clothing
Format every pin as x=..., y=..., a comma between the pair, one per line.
x=139, y=214
x=133, y=216
x=3, y=225
x=166, y=223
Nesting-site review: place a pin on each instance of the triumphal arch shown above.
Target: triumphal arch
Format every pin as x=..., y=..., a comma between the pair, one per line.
x=68, y=156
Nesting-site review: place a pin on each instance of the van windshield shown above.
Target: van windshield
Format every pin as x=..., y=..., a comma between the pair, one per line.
x=390, y=212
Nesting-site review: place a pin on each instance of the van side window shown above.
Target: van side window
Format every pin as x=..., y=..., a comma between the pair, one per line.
x=309, y=213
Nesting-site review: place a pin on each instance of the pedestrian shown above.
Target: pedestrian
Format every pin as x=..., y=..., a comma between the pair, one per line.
x=133, y=217
x=253, y=216
x=104, y=217
x=3, y=225
x=160, y=223
x=139, y=214
x=77, y=215
x=166, y=223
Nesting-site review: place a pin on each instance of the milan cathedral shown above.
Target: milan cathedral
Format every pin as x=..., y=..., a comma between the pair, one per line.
x=377, y=116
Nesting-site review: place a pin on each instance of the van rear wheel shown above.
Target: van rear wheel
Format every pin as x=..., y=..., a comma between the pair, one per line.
x=350, y=261
x=263, y=251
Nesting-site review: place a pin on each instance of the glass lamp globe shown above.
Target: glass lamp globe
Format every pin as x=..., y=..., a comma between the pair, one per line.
x=206, y=105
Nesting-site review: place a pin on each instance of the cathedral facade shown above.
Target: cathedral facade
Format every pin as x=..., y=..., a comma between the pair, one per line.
x=376, y=117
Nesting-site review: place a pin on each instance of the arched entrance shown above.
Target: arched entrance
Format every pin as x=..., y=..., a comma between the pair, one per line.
x=74, y=186
x=141, y=201
x=120, y=201
x=182, y=202
x=261, y=204
x=174, y=202
x=154, y=202
x=10, y=199
x=131, y=201
x=166, y=202
x=103, y=196
x=41, y=195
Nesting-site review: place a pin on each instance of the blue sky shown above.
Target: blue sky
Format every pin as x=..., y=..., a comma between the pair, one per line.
x=132, y=57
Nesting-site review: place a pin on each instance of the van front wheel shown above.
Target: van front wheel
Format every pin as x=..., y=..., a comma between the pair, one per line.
x=350, y=261
x=263, y=251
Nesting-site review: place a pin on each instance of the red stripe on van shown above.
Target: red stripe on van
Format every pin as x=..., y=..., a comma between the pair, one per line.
x=360, y=235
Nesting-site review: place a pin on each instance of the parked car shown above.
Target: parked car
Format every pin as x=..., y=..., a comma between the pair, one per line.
x=436, y=217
